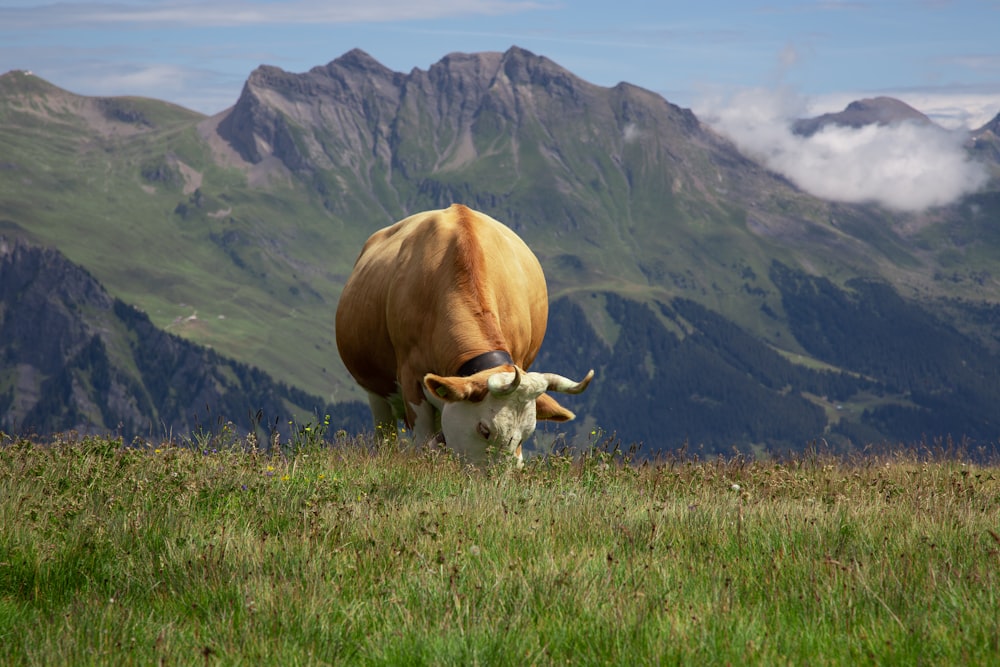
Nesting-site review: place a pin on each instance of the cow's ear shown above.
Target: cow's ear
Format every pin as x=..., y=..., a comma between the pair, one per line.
x=451, y=389
x=446, y=388
x=547, y=407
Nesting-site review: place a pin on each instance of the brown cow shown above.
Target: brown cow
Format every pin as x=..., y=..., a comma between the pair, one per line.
x=446, y=310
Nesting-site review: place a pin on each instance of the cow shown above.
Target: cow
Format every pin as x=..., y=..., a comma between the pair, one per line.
x=439, y=321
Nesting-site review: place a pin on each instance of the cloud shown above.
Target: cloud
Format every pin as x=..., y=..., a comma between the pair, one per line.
x=195, y=88
x=955, y=110
x=166, y=78
x=228, y=13
x=906, y=166
x=631, y=133
x=789, y=56
x=989, y=62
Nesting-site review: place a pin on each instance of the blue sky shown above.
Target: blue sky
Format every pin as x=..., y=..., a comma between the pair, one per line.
x=941, y=56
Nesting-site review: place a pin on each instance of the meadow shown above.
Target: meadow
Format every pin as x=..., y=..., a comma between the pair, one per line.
x=333, y=550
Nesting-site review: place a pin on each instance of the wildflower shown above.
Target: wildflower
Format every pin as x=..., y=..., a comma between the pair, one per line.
x=285, y=478
x=735, y=487
x=157, y=450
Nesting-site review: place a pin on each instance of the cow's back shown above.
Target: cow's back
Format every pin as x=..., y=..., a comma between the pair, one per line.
x=433, y=290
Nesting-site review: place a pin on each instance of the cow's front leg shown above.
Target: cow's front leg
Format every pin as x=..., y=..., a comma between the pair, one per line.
x=421, y=415
x=425, y=422
x=383, y=418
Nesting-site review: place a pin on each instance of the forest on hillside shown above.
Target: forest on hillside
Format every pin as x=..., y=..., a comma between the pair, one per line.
x=898, y=374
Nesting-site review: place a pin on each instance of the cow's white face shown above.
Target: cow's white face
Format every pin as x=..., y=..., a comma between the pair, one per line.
x=496, y=424
x=496, y=412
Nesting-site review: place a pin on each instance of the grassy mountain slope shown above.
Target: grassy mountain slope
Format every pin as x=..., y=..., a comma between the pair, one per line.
x=131, y=190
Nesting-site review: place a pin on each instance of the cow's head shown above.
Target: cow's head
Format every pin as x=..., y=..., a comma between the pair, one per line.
x=497, y=409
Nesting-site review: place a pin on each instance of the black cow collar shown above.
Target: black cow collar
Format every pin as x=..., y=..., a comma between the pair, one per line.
x=484, y=362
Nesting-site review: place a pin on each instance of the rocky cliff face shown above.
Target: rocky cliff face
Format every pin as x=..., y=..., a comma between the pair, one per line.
x=280, y=114
x=367, y=109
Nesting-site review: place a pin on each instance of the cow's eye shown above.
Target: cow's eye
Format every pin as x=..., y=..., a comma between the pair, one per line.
x=484, y=430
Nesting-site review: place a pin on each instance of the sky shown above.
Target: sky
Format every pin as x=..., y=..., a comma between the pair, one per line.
x=745, y=66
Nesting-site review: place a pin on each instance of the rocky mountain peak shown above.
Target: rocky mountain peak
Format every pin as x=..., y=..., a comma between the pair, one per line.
x=881, y=110
x=868, y=111
x=524, y=67
x=426, y=119
x=356, y=60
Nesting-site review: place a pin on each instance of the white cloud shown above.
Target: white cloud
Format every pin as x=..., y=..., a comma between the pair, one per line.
x=197, y=88
x=789, y=57
x=631, y=133
x=906, y=166
x=167, y=79
x=243, y=13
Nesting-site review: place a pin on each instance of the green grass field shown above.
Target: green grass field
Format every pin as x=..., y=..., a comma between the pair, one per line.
x=346, y=553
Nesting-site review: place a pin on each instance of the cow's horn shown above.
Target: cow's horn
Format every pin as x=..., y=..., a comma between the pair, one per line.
x=496, y=386
x=567, y=386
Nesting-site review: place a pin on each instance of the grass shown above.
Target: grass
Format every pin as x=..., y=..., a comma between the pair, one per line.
x=347, y=553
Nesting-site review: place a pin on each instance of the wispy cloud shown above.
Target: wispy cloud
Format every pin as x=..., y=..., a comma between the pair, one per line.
x=201, y=53
x=813, y=7
x=240, y=13
x=905, y=166
x=165, y=81
x=985, y=62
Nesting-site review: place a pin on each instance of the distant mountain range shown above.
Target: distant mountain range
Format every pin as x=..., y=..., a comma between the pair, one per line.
x=720, y=305
x=873, y=111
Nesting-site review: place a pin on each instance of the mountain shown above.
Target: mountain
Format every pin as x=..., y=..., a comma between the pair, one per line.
x=984, y=142
x=77, y=359
x=993, y=127
x=869, y=111
x=720, y=305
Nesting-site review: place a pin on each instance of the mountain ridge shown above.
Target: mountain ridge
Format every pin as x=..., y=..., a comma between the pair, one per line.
x=27, y=94
x=387, y=128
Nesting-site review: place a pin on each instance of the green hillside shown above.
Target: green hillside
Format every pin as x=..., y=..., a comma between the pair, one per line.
x=131, y=190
